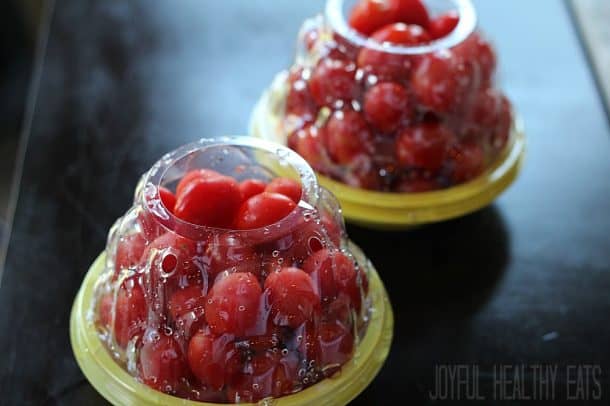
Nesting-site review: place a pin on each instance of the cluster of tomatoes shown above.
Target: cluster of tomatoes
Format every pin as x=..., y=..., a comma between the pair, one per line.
x=240, y=315
x=388, y=121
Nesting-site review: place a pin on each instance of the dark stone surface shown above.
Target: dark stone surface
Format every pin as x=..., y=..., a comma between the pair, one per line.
x=124, y=82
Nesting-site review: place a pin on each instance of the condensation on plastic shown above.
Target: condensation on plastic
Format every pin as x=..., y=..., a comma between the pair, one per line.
x=390, y=209
x=120, y=388
x=112, y=363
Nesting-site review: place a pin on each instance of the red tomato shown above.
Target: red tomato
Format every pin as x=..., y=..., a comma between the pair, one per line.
x=189, y=299
x=444, y=81
x=490, y=114
x=386, y=105
x=251, y=187
x=483, y=115
x=340, y=48
x=333, y=80
x=211, y=201
x=192, y=175
x=468, y=161
x=348, y=280
x=402, y=34
x=299, y=101
x=347, y=135
x=390, y=66
x=180, y=259
x=424, y=146
x=130, y=312
x=385, y=65
x=478, y=49
x=227, y=251
x=267, y=374
x=168, y=198
x=287, y=187
x=129, y=250
x=336, y=343
x=308, y=142
x=334, y=273
x=444, y=24
x=369, y=15
x=320, y=266
x=263, y=210
x=293, y=297
x=233, y=304
x=413, y=12
x=162, y=363
x=363, y=174
x=293, y=247
x=214, y=360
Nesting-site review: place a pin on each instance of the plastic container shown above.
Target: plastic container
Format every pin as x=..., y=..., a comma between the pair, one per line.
x=151, y=312
x=446, y=143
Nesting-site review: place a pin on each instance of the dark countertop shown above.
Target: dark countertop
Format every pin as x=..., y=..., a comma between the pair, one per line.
x=523, y=282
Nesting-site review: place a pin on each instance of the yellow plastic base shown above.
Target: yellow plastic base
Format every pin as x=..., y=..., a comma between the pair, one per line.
x=384, y=210
x=120, y=388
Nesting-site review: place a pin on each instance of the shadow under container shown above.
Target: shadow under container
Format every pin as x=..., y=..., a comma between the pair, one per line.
x=329, y=107
x=133, y=342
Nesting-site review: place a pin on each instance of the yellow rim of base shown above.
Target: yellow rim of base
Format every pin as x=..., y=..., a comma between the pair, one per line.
x=403, y=210
x=120, y=388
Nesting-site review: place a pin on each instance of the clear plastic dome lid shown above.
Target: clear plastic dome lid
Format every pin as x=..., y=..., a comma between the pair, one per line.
x=395, y=95
x=230, y=278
